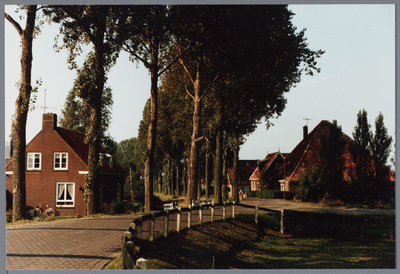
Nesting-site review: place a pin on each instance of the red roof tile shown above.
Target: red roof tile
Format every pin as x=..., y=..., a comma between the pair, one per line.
x=76, y=141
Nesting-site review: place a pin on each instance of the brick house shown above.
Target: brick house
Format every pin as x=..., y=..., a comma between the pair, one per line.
x=306, y=154
x=245, y=168
x=56, y=166
x=266, y=167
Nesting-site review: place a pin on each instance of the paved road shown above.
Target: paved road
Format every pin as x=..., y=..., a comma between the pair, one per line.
x=66, y=244
x=280, y=204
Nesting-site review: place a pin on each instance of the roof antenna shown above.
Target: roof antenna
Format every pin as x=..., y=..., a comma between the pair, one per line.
x=307, y=120
x=44, y=106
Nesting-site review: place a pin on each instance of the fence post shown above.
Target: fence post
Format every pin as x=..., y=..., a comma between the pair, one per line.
x=212, y=212
x=189, y=216
x=223, y=211
x=201, y=214
x=256, y=215
x=178, y=220
x=282, y=221
x=139, y=228
x=233, y=210
x=152, y=220
x=166, y=221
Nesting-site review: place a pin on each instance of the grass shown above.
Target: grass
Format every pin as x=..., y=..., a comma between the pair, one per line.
x=239, y=245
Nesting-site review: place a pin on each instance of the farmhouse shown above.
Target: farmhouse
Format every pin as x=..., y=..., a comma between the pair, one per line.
x=266, y=168
x=56, y=166
x=306, y=154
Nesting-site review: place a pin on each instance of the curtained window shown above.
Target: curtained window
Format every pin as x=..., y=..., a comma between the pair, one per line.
x=65, y=193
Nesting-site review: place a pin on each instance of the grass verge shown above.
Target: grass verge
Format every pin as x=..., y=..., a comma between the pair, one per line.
x=239, y=245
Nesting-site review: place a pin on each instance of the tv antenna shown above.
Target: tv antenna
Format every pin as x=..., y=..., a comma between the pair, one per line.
x=44, y=105
x=307, y=120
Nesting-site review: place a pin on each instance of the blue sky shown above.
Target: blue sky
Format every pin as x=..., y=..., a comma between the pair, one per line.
x=358, y=72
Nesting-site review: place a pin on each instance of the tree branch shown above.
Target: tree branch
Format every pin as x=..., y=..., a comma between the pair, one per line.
x=14, y=23
x=188, y=92
x=212, y=82
x=176, y=60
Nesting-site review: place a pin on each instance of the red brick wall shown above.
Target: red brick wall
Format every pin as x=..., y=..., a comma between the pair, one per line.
x=41, y=185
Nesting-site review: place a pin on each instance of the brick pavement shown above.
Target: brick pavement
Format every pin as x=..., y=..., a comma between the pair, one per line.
x=81, y=243
x=66, y=244
x=92, y=243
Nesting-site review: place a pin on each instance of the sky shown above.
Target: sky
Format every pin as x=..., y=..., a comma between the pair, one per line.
x=357, y=72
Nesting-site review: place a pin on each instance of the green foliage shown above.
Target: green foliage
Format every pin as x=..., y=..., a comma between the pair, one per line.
x=371, y=176
x=325, y=179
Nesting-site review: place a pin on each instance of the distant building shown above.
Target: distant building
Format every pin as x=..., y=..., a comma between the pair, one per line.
x=245, y=168
x=56, y=166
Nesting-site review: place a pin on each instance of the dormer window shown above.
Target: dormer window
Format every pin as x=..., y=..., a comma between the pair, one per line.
x=34, y=161
x=107, y=158
x=60, y=161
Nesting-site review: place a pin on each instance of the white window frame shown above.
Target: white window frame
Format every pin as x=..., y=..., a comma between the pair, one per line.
x=32, y=156
x=66, y=161
x=64, y=187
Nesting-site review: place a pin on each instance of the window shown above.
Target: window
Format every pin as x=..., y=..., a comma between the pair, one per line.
x=34, y=161
x=65, y=193
x=107, y=158
x=60, y=161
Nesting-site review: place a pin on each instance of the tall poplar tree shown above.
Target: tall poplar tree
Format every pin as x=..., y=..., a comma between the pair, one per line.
x=81, y=25
x=21, y=111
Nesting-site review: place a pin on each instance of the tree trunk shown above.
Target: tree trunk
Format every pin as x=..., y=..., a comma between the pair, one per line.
x=151, y=136
x=94, y=102
x=218, y=168
x=224, y=174
x=21, y=114
x=207, y=173
x=235, y=192
x=194, y=149
x=178, y=178
x=184, y=175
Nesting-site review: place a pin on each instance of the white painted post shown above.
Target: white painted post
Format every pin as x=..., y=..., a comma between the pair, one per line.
x=212, y=213
x=223, y=211
x=178, y=220
x=233, y=210
x=141, y=264
x=189, y=215
x=201, y=214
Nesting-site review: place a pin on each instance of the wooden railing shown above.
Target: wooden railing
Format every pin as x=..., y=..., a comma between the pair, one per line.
x=133, y=238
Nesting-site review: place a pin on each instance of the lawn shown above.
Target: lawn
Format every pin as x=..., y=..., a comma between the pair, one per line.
x=239, y=245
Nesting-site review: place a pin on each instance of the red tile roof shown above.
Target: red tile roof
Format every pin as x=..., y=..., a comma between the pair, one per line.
x=269, y=159
x=77, y=143
x=245, y=169
x=306, y=153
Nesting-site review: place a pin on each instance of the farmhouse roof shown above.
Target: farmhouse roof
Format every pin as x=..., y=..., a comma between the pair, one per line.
x=306, y=153
x=265, y=164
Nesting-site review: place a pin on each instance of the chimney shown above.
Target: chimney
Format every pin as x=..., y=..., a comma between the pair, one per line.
x=49, y=121
x=305, y=132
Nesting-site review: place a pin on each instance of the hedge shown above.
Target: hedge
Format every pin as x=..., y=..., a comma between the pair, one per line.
x=270, y=194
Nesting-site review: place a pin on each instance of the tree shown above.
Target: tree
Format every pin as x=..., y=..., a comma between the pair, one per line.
x=21, y=111
x=370, y=156
x=380, y=150
x=381, y=142
x=325, y=179
x=76, y=113
x=145, y=36
x=363, y=174
x=84, y=24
